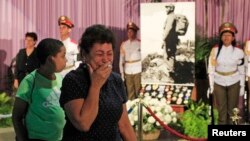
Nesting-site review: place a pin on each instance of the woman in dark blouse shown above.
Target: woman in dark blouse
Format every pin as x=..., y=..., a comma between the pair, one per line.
x=93, y=96
x=26, y=59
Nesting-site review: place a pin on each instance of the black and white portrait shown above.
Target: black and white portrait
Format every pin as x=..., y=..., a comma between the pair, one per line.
x=168, y=43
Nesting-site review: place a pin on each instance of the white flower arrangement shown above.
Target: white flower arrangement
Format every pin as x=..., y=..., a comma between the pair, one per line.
x=159, y=106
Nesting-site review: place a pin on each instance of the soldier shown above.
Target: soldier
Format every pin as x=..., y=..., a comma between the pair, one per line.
x=130, y=61
x=226, y=73
x=65, y=27
x=170, y=40
x=170, y=37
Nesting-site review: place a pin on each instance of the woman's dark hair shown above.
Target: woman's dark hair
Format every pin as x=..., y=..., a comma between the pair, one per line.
x=221, y=43
x=48, y=47
x=32, y=35
x=95, y=34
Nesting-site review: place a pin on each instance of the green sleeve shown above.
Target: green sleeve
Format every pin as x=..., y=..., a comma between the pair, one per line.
x=25, y=88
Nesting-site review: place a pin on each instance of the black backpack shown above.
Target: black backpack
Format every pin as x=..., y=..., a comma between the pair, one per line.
x=181, y=24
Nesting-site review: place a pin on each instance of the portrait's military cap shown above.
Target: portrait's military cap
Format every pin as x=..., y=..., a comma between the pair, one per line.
x=169, y=5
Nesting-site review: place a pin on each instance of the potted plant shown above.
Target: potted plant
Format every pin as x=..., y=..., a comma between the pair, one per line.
x=6, y=106
x=196, y=118
x=203, y=46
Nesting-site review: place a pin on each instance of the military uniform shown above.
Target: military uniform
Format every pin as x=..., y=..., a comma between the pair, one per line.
x=226, y=75
x=130, y=63
x=170, y=37
x=71, y=47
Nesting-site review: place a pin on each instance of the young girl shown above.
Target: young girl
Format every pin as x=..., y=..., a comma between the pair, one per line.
x=37, y=114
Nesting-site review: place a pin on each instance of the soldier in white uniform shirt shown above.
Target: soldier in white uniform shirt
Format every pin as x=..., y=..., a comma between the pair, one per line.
x=130, y=61
x=227, y=73
x=247, y=58
x=65, y=27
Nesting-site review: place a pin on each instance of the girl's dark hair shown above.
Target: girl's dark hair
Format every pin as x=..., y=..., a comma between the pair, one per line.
x=48, y=47
x=221, y=43
x=95, y=34
x=32, y=35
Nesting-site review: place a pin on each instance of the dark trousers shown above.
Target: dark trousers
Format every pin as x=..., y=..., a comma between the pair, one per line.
x=226, y=98
x=133, y=85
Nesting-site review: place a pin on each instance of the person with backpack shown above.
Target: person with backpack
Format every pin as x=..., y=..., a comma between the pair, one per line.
x=170, y=38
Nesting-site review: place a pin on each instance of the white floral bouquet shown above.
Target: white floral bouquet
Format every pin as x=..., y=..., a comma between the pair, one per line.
x=159, y=106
